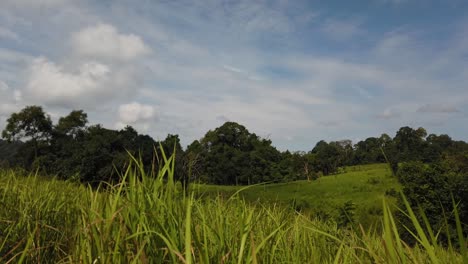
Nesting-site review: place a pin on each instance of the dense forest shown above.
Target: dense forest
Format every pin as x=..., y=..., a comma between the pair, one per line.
x=227, y=155
x=433, y=169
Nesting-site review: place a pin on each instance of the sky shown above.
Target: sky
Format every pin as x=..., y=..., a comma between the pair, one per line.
x=295, y=72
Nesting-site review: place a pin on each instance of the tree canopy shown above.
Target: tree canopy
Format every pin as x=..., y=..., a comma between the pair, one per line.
x=229, y=154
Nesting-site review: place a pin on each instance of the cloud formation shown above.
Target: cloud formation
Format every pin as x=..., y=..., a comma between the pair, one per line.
x=51, y=84
x=135, y=112
x=104, y=41
x=294, y=71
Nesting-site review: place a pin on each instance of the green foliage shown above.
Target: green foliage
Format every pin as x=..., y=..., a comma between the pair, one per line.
x=228, y=155
x=410, y=143
x=147, y=219
x=232, y=155
x=323, y=197
x=8, y=151
x=31, y=122
x=327, y=157
x=346, y=214
x=429, y=188
x=73, y=124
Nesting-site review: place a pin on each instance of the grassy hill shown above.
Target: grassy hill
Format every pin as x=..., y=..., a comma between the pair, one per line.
x=363, y=185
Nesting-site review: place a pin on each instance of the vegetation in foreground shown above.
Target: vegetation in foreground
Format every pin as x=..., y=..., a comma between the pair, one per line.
x=149, y=220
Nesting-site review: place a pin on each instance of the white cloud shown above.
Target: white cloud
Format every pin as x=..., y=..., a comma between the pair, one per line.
x=133, y=113
x=50, y=83
x=213, y=63
x=233, y=69
x=104, y=41
x=18, y=96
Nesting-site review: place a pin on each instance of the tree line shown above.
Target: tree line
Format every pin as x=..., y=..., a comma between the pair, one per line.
x=227, y=155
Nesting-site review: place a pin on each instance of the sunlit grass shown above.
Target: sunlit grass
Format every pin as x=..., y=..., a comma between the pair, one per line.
x=147, y=219
x=364, y=185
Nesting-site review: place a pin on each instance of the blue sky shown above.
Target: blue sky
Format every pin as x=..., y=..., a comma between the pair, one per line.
x=292, y=71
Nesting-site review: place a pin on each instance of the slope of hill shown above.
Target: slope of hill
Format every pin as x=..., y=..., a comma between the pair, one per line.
x=364, y=186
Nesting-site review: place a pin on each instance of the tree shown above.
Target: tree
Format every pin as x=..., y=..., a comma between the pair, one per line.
x=346, y=151
x=230, y=154
x=31, y=123
x=410, y=143
x=369, y=151
x=327, y=157
x=73, y=123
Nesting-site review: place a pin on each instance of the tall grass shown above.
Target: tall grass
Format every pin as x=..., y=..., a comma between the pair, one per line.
x=148, y=219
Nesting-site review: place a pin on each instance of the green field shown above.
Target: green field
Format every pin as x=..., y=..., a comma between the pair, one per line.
x=364, y=185
x=150, y=220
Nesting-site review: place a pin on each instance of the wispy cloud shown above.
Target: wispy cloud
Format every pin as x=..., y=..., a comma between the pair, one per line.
x=343, y=29
x=296, y=71
x=437, y=108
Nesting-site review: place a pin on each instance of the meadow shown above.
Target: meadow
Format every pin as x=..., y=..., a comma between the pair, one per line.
x=148, y=219
x=365, y=186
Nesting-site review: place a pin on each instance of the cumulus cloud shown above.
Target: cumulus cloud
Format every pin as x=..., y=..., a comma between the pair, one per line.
x=91, y=84
x=133, y=113
x=104, y=41
x=50, y=83
x=200, y=79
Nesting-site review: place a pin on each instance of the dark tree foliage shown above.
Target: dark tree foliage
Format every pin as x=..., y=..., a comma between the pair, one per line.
x=70, y=149
x=8, y=152
x=31, y=124
x=410, y=143
x=231, y=154
x=328, y=157
x=430, y=188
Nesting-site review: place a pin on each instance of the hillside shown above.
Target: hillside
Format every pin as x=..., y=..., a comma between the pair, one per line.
x=364, y=185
